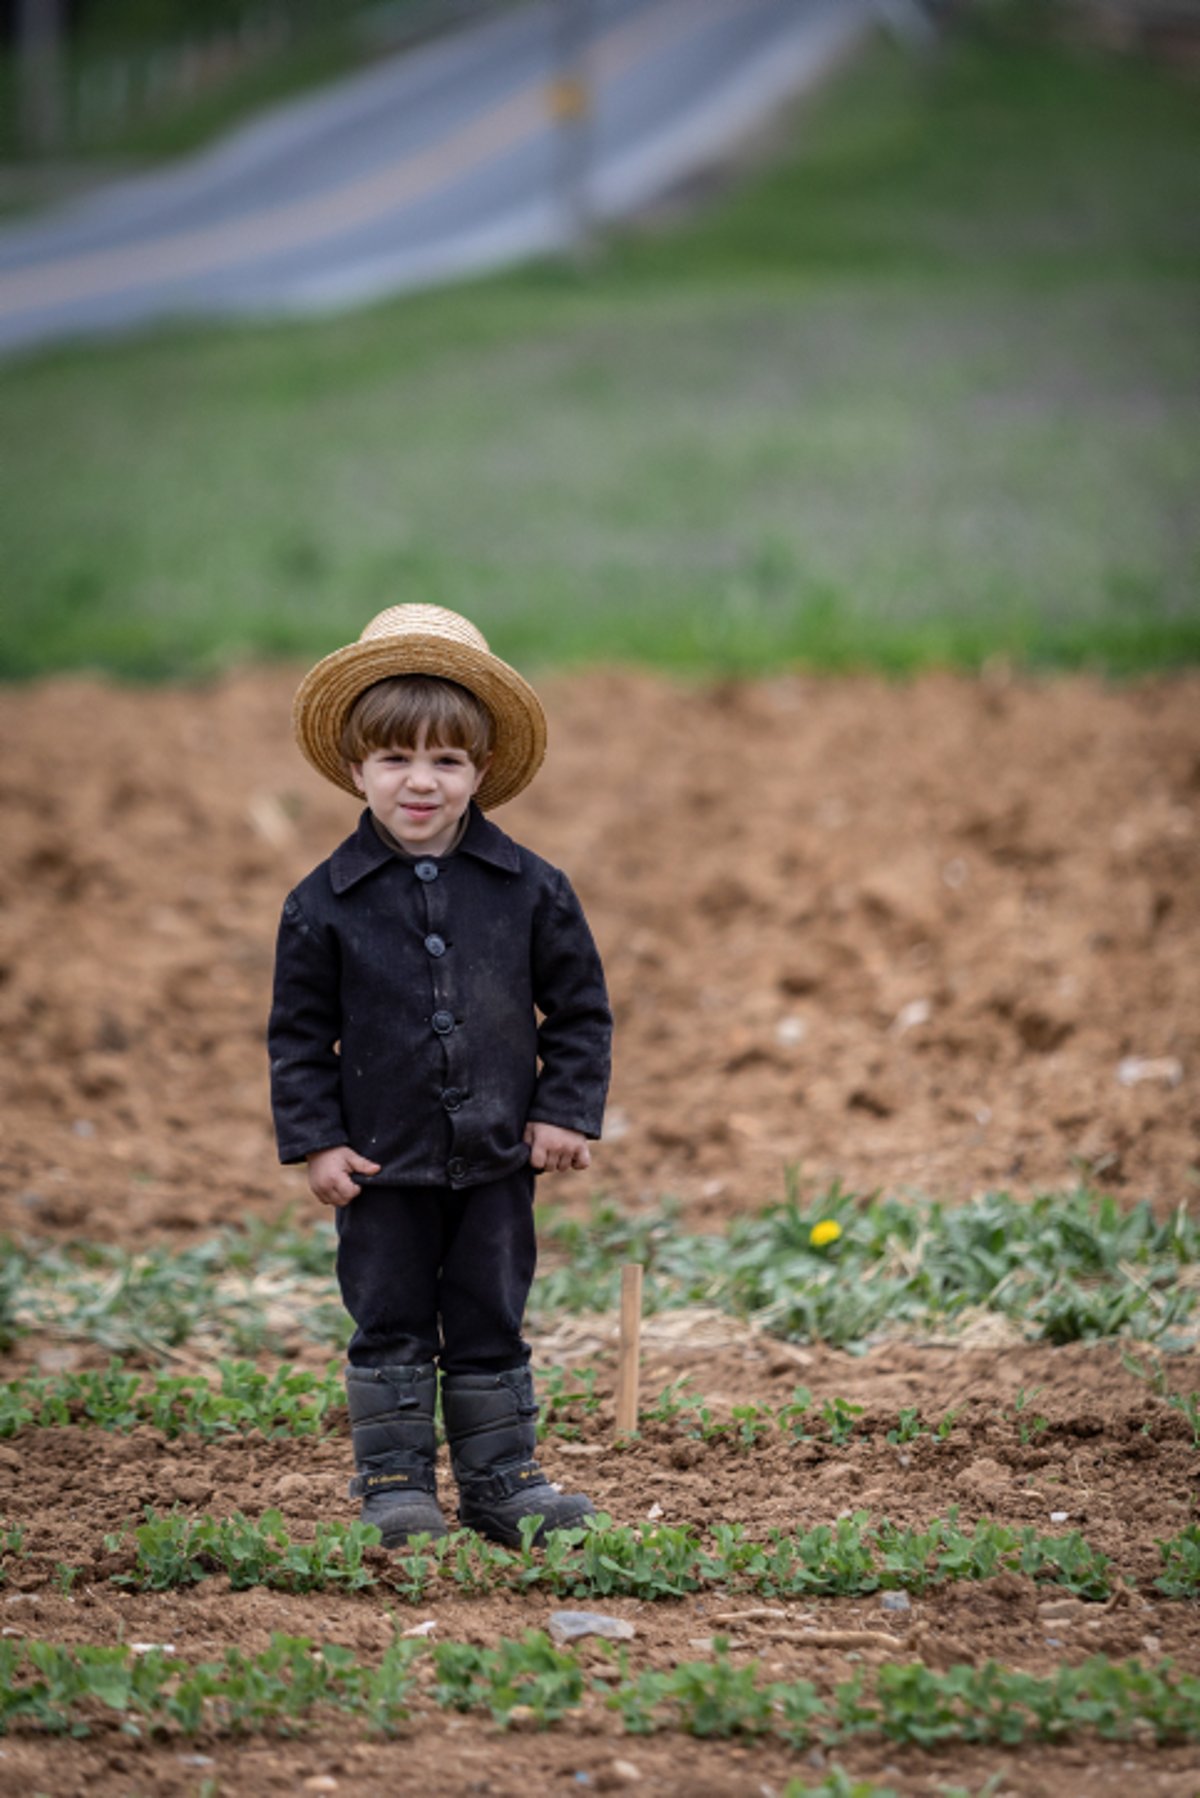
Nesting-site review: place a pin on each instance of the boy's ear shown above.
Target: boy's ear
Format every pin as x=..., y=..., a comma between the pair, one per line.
x=481, y=769
x=356, y=775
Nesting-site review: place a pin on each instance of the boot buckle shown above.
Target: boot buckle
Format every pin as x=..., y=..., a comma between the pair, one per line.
x=506, y=1482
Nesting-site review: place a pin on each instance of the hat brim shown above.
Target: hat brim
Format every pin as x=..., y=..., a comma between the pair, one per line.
x=327, y=692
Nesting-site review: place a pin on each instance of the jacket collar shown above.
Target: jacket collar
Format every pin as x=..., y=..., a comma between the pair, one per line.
x=365, y=851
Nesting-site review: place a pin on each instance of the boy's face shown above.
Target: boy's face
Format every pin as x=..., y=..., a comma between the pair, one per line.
x=420, y=793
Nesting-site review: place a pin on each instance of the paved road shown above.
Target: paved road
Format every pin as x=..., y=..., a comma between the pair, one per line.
x=430, y=165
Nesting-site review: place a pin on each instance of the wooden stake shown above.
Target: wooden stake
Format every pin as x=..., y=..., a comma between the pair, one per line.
x=629, y=1360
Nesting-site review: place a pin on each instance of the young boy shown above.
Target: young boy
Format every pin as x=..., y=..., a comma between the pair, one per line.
x=409, y=1069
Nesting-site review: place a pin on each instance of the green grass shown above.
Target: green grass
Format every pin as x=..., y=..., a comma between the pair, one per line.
x=919, y=393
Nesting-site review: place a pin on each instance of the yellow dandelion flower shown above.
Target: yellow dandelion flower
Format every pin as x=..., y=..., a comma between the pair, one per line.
x=824, y=1232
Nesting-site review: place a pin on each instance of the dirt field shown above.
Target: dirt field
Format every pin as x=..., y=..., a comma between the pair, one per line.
x=939, y=937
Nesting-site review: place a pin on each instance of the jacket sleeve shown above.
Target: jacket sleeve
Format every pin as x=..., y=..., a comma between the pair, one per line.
x=575, y=1036
x=304, y=1028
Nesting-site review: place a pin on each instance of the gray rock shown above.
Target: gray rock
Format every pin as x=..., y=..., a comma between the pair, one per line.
x=571, y=1626
x=896, y=1601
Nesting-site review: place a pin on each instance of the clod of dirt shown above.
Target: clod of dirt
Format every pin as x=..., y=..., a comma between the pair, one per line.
x=984, y=1478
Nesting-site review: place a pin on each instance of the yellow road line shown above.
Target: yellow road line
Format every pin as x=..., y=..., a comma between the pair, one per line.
x=94, y=274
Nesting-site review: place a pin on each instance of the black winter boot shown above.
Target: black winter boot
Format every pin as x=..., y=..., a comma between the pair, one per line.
x=395, y=1449
x=490, y=1425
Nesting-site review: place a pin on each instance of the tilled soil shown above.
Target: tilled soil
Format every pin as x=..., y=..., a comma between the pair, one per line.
x=904, y=935
x=936, y=936
x=1115, y=1459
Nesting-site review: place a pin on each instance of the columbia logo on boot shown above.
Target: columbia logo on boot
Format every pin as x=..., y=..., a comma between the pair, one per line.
x=387, y=1479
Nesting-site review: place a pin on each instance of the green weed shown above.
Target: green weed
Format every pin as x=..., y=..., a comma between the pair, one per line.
x=838, y=1784
x=842, y=1417
x=288, y=1402
x=1180, y=1577
x=793, y=1417
x=12, y=1547
x=908, y=1426
x=599, y=1559
x=1188, y=1405
x=1028, y=1427
x=670, y=1404
x=531, y=1673
x=175, y=1550
x=67, y=1689
x=566, y=1397
x=1056, y=1265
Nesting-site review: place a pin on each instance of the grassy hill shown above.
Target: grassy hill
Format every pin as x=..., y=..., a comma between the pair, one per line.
x=919, y=386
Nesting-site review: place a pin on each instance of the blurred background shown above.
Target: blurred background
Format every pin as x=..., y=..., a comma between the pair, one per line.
x=854, y=333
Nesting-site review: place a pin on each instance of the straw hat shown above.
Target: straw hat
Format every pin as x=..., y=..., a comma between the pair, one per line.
x=423, y=640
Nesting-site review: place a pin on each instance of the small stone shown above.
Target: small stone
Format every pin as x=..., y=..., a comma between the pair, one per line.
x=421, y=1629
x=654, y=1513
x=522, y=1716
x=910, y=1017
x=195, y=1760
x=1152, y=1644
x=1060, y=1610
x=572, y=1626
x=1134, y=1069
x=896, y=1601
x=1059, y=1516
x=626, y=1772
x=320, y=1782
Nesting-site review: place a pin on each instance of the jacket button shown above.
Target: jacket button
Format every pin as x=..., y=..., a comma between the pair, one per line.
x=425, y=870
x=452, y=1098
x=456, y=1168
x=435, y=945
x=443, y=1022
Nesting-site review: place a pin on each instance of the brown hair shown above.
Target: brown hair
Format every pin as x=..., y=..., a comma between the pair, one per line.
x=389, y=715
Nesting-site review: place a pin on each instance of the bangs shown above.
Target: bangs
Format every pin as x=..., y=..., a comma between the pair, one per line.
x=390, y=714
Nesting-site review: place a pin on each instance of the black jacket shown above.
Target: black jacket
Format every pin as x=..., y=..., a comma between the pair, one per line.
x=404, y=1014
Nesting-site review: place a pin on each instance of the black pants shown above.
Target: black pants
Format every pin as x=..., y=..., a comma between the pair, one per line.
x=433, y=1274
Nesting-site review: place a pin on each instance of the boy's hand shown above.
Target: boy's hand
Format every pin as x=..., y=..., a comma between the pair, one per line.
x=330, y=1174
x=553, y=1150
